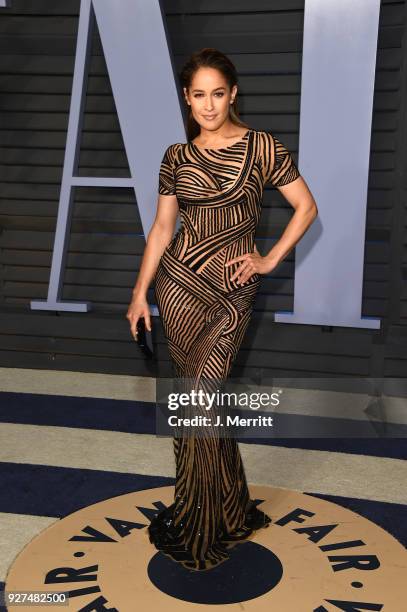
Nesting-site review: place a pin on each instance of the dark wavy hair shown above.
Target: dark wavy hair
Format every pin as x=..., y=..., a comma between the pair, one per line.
x=212, y=58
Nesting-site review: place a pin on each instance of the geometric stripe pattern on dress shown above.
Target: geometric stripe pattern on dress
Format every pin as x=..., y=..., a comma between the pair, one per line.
x=205, y=316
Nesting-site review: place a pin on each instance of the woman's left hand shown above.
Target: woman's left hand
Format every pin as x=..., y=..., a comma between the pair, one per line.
x=252, y=263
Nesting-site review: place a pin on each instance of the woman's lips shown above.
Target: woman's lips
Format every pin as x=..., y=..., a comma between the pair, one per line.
x=209, y=117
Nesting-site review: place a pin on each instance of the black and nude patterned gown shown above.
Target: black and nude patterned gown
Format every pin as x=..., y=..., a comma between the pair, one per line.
x=205, y=316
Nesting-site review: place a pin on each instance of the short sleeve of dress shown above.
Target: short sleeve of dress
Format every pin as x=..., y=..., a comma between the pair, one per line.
x=278, y=165
x=166, y=181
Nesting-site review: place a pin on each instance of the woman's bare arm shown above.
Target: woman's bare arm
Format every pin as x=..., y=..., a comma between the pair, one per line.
x=159, y=236
x=298, y=195
x=301, y=199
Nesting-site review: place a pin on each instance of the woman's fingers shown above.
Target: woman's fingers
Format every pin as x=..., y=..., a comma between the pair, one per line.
x=238, y=272
x=134, y=318
x=242, y=257
x=133, y=326
x=246, y=264
x=236, y=259
x=147, y=319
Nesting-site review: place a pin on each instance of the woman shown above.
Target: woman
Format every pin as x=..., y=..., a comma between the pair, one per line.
x=206, y=280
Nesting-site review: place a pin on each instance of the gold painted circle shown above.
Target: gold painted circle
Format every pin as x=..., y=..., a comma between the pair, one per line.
x=318, y=564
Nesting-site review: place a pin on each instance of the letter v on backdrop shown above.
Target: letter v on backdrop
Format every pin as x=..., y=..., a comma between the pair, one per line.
x=338, y=73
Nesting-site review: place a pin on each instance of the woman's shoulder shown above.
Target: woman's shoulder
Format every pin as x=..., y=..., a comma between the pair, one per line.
x=176, y=150
x=264, y=144
x=171, y=153
x=174, y=147
x=263, y=136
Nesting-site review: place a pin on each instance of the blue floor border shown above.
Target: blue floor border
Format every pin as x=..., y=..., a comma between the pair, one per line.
x=42, y=490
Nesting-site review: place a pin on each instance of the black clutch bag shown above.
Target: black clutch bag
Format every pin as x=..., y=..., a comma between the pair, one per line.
x=143, y=341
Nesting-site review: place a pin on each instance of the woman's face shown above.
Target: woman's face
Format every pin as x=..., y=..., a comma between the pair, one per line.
x=209, y=97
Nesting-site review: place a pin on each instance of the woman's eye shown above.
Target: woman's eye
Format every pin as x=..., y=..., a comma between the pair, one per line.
x=218, y=93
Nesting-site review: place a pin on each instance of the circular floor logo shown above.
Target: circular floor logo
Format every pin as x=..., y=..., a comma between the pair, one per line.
x=316, y=556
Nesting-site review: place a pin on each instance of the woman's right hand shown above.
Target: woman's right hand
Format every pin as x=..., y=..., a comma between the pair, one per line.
x=138, y=308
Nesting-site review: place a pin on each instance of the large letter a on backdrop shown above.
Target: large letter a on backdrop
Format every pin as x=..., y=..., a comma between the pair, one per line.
x=139, y=64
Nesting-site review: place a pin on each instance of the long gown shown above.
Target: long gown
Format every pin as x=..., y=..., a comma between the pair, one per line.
x=205, y=316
